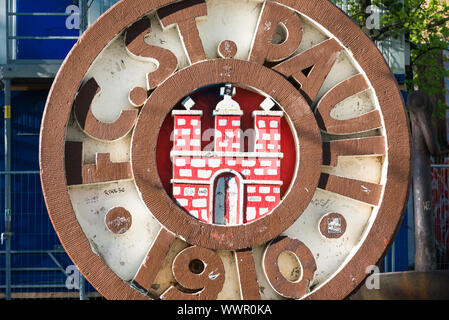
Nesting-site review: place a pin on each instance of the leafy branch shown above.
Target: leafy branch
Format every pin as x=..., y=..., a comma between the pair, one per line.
x=425, y=25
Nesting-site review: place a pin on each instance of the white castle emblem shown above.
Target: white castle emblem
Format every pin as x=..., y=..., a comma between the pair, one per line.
x=227, y=186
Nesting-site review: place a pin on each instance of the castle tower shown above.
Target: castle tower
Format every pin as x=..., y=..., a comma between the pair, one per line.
x=187, y=139
x=264, y=194
x=187, y=134
x=227, y=122
x=267, y=124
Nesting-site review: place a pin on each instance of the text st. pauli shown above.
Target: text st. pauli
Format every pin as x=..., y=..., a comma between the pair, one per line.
x=243, y=150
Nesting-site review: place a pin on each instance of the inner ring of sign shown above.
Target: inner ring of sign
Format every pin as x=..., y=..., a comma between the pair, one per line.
x=242, y=74
x=226, y=155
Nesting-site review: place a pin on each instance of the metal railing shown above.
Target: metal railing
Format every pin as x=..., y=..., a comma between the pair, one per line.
x=11, y=23
x=34, y=68
x=34, y=261
x=440, y=166
x=29, y=68
x=87, y=12
x=11, y=29
x=50, y=253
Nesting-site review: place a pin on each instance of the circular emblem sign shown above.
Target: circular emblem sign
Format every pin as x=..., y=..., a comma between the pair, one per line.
x=225, y=149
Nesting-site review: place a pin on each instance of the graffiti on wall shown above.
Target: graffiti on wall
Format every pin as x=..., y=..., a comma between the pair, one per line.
x=446, y=84
x=440, y=195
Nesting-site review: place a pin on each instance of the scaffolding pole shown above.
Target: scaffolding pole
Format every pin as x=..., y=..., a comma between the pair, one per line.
x=425, y=144
x=6, y=236
x=84, y=18
x=83, y=295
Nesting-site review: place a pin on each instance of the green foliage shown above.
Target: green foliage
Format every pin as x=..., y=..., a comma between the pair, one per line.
x=425, y=23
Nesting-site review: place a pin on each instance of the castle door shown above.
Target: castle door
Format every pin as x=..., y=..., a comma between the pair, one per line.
x=226, y=200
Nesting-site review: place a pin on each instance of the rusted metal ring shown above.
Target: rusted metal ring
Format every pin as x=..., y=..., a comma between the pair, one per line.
x=119, y=17
x=144, y=164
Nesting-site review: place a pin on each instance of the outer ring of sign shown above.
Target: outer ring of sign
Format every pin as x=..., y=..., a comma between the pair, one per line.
x=116, y=19
x=146, y=133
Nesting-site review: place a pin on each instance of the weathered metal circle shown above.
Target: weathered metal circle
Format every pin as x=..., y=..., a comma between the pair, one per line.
x=395, y=171
x=227, y=49
x=145, y=168
x=332, y=225
x=118, y=220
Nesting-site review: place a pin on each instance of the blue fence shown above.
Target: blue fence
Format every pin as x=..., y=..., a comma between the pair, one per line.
x=43, y=26
x=38, y=261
